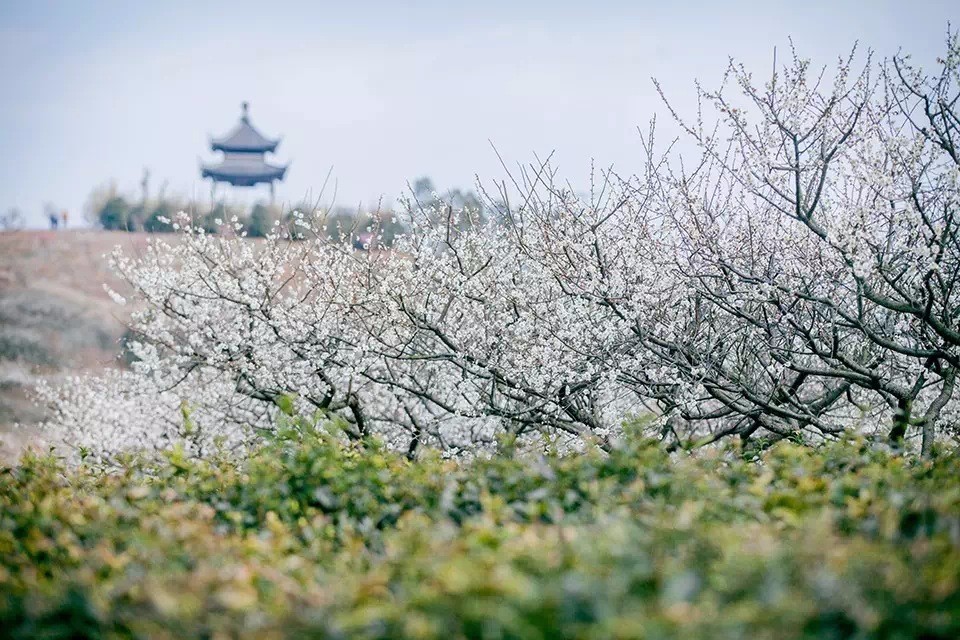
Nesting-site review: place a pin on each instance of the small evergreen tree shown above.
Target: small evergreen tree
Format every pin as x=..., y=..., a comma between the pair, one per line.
x=159, y=219
x=260, y=222
x=114, y=215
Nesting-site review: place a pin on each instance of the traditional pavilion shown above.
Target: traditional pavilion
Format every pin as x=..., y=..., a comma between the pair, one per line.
x=243, y=163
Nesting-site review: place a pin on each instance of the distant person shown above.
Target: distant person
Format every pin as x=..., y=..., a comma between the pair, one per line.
x=53, y=221
x=63, y=218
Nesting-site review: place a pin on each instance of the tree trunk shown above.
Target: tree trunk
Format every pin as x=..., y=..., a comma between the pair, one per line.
x=933, y=412
x=901, y=421
x=926, y=442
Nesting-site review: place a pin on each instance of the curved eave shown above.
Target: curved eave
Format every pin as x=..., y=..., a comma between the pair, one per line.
x=244, y=179
x=226, y=146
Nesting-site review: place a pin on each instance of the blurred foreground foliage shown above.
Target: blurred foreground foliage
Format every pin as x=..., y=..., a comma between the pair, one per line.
x=313, y=538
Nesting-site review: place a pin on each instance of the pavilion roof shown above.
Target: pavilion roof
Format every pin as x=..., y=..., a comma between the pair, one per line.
x=244, y=137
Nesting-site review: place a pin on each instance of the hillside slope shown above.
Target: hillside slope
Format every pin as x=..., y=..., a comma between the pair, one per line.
x=55, y=317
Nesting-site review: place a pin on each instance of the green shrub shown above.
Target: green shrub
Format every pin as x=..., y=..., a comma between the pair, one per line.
x=310, y=537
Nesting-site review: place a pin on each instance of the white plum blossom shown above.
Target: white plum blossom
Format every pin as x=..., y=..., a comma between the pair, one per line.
x=797, y=279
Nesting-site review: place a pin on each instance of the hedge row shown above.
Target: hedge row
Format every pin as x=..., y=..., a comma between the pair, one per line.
x=313, y=538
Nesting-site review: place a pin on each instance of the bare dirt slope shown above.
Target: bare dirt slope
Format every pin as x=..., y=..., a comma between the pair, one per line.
x=55, y=317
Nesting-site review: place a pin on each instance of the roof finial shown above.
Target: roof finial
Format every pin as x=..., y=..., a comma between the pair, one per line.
x=246, y=108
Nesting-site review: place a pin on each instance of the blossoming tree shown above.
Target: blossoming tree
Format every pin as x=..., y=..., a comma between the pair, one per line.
x=796, y=278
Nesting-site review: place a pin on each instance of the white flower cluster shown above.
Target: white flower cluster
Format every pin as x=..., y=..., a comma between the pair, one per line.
x=800, y=278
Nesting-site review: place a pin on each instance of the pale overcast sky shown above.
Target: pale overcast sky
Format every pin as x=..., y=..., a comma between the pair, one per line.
x=383, y=92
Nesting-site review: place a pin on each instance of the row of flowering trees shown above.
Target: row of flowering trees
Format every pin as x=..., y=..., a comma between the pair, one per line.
x=797, y=279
